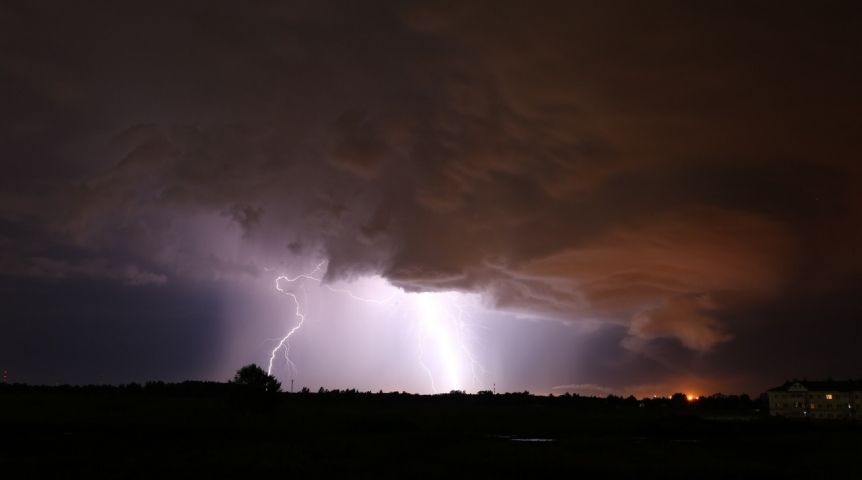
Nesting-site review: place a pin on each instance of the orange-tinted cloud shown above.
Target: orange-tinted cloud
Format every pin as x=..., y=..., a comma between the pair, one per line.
x=654, y=168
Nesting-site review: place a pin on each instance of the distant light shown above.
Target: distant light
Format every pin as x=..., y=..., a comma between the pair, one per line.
x=828, y=396
x=691, y=398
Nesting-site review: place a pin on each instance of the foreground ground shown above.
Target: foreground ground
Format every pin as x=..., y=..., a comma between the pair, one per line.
x=121, y=434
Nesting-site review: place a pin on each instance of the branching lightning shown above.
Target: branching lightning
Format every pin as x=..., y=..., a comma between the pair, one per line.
x=462, y=330
x=438, y=317
x=420, y=349
x=284, y=343
x=350, y=294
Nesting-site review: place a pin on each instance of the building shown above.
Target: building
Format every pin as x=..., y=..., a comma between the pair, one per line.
x=813, y=399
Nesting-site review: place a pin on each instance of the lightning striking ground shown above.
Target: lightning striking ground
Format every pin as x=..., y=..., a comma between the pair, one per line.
x=421, y=352
x=462, y=330
x=443, y=325
x=284, y=343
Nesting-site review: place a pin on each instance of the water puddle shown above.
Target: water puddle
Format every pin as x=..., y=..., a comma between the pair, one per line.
x=513, y=438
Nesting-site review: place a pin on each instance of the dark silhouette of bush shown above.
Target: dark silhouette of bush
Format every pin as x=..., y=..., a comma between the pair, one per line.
x=252, y=389
x=254, y=378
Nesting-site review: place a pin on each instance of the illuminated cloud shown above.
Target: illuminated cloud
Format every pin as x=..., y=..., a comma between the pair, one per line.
x=655, y=169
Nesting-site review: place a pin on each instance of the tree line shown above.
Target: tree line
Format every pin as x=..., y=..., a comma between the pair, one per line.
x=251, y=381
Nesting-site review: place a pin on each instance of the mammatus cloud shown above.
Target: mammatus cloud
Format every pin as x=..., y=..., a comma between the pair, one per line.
x=618, y=165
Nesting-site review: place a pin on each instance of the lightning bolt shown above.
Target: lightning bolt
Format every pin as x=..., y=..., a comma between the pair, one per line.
x=433, y=319
x=421, y=353
x=462, y=331
x=374, y=301
x=284, y=343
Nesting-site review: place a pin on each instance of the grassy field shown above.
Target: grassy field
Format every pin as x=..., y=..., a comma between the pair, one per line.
x=115, y=434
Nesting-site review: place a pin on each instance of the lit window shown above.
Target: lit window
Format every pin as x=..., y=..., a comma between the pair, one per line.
x=828, y=396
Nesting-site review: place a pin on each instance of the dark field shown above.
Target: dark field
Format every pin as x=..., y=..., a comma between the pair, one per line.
x=140, y=433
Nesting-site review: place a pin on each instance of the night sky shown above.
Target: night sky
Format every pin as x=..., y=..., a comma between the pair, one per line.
x=594, y=197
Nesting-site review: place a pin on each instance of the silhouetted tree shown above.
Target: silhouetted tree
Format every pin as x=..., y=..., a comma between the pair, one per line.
x=678, y=399
x=253, y=377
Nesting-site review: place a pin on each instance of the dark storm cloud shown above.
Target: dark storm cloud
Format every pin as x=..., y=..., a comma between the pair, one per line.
x=661, y=167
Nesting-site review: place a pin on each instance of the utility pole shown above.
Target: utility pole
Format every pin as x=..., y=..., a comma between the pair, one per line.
x=291, y=385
